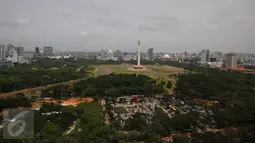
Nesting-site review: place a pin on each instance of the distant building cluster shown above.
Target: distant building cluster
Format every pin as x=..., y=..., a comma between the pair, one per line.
x=149, y=55
x=10, y=54
x=230, y=60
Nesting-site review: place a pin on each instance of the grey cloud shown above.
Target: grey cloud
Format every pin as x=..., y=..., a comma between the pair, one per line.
x=167, y=25
x=143, y=28
x=164, y=18
x=116, y=24
x=8, y=24
x=67, y=15
x=102, y=10
x=15, y=24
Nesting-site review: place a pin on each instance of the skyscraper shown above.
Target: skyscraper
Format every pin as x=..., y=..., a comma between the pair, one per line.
x=118, y=54
x=37, y=51
x=205, y=56
x=47, y=51
x=110, y=55
x=231, y=60
x=150, y=53
x=19, y=50
x=103, y=54
x=2, y=52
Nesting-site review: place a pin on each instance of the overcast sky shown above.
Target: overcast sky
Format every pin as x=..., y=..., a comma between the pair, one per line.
x=165, y=25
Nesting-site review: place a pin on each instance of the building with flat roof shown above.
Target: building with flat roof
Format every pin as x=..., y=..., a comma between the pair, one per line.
x=118, y=54
x=47, y=51
x=150, y=53
x=37, y=51
x=19, y=50
x=231, y=59
x=205, y=56
x=2, y=52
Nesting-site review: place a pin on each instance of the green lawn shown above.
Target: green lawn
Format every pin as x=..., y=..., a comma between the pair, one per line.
x=158, y=72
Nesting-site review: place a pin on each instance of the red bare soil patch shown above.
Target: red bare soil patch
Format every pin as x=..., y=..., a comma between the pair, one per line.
x=70, y=101
x=102, y=70
x=171, y=68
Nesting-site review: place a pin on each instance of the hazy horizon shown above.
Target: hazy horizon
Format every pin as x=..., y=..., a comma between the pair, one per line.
x=165, y=25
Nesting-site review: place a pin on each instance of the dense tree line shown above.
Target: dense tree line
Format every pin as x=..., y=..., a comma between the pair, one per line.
x=233, y=90
x=113, y=85
x=15, y=102
x=49, y=63
x=44, y=72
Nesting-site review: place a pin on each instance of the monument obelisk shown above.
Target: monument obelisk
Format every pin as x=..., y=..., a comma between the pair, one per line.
x=138, y=54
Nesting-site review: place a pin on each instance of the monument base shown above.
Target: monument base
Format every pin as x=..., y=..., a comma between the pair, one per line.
x=137, y=68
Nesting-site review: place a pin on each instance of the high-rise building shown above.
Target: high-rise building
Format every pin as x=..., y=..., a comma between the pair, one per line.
x=110, y=55
x=125, y=53
x=19, y=50
x=37, y=51
x=253, y=61
x=9, y=50
x=231, y=60
x=2, y=52
x=118, y=54
x=150, y=53
x=205, y=56
x=185, y=54
x=103, y=54
x=10, y=47
x=47, y=51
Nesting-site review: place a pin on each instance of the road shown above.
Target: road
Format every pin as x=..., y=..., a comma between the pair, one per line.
x=13, y=93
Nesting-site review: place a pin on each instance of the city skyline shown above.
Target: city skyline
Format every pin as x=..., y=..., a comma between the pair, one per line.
x=165, y=26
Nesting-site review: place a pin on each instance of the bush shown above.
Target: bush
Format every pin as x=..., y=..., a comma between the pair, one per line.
x=169, y=84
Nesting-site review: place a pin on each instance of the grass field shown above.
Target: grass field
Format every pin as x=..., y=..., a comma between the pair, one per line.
x=158, y=72
x=151, y=70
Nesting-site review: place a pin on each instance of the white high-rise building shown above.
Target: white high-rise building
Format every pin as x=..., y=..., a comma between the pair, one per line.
x=103, y=54
x=205, y=56
x=110, y=55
